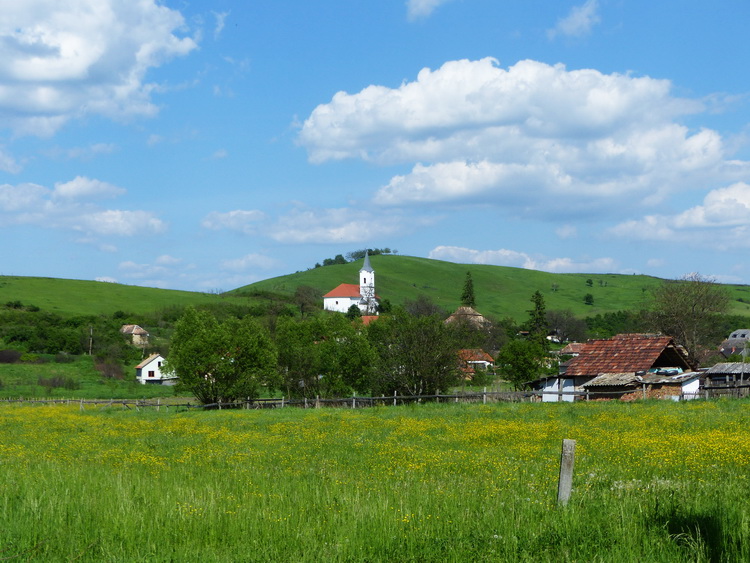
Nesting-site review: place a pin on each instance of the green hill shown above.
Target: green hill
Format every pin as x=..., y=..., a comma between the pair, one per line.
x=77, y=297
x=500, y=291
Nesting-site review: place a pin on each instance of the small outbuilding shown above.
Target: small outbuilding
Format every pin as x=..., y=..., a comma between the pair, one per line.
x=138, y=336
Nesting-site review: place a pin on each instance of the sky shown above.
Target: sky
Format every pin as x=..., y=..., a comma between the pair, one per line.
x=204, y=146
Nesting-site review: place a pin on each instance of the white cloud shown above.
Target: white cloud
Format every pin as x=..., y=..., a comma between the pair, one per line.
x=504, y=257
x=535, y=138
x=578, y=22
x=82, y=153
x=60, y=60
x=82, y=187
x=567, y=231
x=251, y=262
x=343, y=225
x=119, y=223
x=244, y=221
x=69, y=207
x=723, y=220
x=221, y=20
x=106, y=279
x=8, y=163
x=417, y=9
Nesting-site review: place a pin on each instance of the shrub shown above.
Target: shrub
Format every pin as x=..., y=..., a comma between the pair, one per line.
x=110, y=370
x=64, y=358
x=9, y=356
x=59, y=381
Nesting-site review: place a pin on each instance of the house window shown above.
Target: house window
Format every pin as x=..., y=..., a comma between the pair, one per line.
x=158, y=364
x=152, y=374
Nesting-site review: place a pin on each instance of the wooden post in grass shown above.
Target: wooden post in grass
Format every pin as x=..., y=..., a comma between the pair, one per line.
x=567, y=460
x=394, y=398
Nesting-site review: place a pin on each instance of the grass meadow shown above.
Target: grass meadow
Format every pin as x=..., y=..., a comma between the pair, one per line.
x=654, y=481
x=78, y=379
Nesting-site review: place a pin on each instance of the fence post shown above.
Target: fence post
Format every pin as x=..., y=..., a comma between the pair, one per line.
x=484, y=396
x=282, y=401
x=81, y=404
x=354, y=400
x=394, y=398
x=305, y=402
x=158, y=405
x=567, y=461
x=317, y=401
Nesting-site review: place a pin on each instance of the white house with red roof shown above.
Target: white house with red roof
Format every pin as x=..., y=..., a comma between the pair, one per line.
x=363, y=295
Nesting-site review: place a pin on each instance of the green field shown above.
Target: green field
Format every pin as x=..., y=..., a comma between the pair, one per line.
x=79, y=297
x=654, y=481
x=78, y=379
x=500, y=291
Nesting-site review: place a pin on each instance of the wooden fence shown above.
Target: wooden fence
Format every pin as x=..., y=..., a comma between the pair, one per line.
x=341, y=402
x=354, y=402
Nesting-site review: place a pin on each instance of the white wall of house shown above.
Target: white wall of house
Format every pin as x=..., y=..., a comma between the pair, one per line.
x=552, y=388
x=691, y=389
x=150, y=371
x=340, y=304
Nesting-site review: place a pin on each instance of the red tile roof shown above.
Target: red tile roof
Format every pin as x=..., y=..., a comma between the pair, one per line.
x=626, y=353
x=367, y=319
x=475, y=355
x=344, y=290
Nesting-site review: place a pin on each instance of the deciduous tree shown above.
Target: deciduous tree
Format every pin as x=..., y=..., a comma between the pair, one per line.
x=688, y=310
x=520, y=361
x=415, y=355
x=220, y=362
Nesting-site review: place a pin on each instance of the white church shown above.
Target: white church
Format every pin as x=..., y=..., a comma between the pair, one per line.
x=348, y=294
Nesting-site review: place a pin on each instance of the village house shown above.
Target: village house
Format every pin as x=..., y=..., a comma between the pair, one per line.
x=736, y=343
x=138, y=336
x=341, y=298
x=149, y=371
x=469, y=316
x=473, y=359
x=610, y=368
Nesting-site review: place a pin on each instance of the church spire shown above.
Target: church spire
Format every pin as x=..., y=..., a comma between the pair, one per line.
x=366, y=266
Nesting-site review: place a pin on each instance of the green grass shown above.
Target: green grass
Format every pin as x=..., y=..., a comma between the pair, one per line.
x=23, y=380
x=78, y=297
x=500, y=291
x=655, y=481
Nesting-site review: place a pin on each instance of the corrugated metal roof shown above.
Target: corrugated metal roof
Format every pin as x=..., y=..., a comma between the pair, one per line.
x=655, y=378
x=730, y=368
x=626, y=353
x=612, y=380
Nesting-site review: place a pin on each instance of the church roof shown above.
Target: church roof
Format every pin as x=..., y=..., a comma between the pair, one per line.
x=366, y=266
x=344, y=290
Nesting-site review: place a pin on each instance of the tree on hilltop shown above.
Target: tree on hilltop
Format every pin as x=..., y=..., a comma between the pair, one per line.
x=467, y=296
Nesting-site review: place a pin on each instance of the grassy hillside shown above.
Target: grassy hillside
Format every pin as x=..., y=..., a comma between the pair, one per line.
x=500, y=291
x=77, y=297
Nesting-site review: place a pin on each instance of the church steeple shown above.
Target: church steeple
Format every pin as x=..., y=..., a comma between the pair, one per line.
x=367, y=286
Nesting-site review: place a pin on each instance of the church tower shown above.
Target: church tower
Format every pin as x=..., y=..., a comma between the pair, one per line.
x=367, y=287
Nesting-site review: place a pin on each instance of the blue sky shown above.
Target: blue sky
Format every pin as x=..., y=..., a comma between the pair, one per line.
x=207, y=145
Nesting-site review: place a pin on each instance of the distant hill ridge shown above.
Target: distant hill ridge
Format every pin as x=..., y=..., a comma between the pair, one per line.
x=500, y=291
